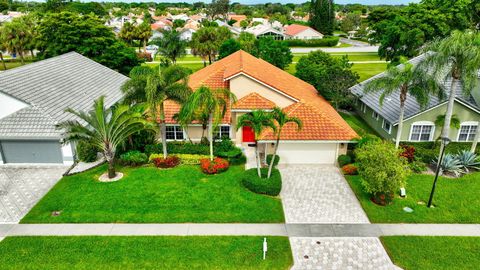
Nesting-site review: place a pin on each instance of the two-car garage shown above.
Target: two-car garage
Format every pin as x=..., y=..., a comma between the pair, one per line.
x=309, y=152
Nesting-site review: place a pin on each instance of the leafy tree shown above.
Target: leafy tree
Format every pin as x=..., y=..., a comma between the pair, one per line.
x=456, y=57
x=350, y=22
x=258, y=120
x=54, y=5
x=15, y=36
x=106, y=128
x=207, y=101
x=410, y=81
x=281, y=119
x=2, y=48
x=322, y=16
x=247, y=41
x=218, y=9
x=275, y=52
x=143, y=33
x=64, y=32
x=170, y=45
x=86, y=8
x=178, y=23
x=134, y=89
x=207, y=41
x=382, y=170
x=170, y=83
x=228, y=47
x=128, y=33
x=332, y=77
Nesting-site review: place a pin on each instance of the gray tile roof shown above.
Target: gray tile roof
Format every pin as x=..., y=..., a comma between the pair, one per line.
x=391, y=105
x=49, y=87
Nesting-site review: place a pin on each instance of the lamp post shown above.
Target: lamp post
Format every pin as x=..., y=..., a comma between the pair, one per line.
x=445, y=142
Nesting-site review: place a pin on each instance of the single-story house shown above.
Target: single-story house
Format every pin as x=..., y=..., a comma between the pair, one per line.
x=419, y=124
x=186, y=33
x=259, y=85
x=297, y=31
x=33, y=99
x=265, y=30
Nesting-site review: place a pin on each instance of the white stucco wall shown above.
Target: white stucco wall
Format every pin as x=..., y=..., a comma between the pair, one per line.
x=67, y=153
x=9, y=105
x=308, y=34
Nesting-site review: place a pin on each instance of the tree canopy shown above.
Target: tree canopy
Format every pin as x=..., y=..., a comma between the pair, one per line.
x=322, y=16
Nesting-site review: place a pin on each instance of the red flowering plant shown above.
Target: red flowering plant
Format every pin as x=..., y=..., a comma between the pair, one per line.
x=408, y=153
x=217, y=165
x=350, y=169
x=169, y=162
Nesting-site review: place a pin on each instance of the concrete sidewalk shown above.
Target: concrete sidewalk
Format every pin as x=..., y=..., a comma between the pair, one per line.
x=291, y=230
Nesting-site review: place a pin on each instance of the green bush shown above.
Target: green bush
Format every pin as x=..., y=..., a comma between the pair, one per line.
x=234, y=156
x=428, y=151
x=269, y=186
x=86, y=151
x=324, y=42
x=189, y=159
x=344, y=160
x=225, y=145
x=178, y=148
x=133, y=158
x=275, y=162
x=417, y=166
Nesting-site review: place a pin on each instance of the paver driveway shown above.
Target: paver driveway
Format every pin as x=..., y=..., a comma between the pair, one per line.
x=21, y=187
x=318, y=194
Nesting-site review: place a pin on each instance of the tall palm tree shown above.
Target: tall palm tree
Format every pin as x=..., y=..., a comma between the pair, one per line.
x=409, y=80
x=171, y=45
x=281, y=119
x=134, y=89
x=258, y=120
x=107, y=128
x=456, y=57
x=207, y=101
x=170, y=83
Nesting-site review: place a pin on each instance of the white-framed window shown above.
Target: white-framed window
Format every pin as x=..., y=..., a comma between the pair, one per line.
x=467, y=131
x=222, y=131
x=375, y=115
x=422, y=131
x=387, y=126
x=174, y=133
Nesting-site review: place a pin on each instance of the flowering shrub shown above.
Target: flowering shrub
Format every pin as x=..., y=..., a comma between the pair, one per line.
x=188, y=159
x=408, y=153
x=350, y=169
x=218, y=165
x=169, y=162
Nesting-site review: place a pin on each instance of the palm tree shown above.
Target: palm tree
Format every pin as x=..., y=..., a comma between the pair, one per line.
x=106, y=128
x=207, y=41
x=206, y=101
x=134, y=89
x=454, y=122
x=457, y=57
x=281, y=119
x=1, y=56
x=15, y=37
x=258, y=120
x=143, y=33
x=409, y=80
x=170, y=83
x=171, y=45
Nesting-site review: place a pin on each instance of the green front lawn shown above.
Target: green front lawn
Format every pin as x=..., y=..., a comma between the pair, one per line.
x=151, y=195
x=439, y=253
x=358, y=124
x=455, y=201
x=149, y=252
x=367, y=70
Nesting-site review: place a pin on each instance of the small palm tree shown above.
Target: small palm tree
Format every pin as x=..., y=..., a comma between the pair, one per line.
x=409, y=80
x=206, y=101
x=281, y=119
x=105, y=128
x=171, y=45
x=134, y=89
x=258, y=120
x=457, y=57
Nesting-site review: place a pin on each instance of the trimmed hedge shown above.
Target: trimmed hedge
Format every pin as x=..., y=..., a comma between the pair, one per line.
x=344, y=160
x=235, y=156
x=133, y=158
x=275, y=162
x=428, y=151
x=86, y=151
x=268, y=186
x=324, y=42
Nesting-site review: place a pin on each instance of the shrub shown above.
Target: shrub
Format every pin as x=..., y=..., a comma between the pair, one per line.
x=450, y=164
x=382, y=170
x=349, y=169
x=417, y=166
x=275, y=162
x=428, y=151
x=468, y=160
x=269, y=186
x=344, y=160
x=225, y=145
x=86, y=151
x=169, y=162
x=133, y=158
x=324, y=42
x=188, y=159
x=139, y=140
x=408, y=152
x=178, y=148
x=234, y=156
x=218, y=165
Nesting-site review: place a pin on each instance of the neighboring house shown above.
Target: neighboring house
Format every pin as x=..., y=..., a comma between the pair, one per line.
x=297, y=31
x=419, y=124
x=260, y=85
x=265, y=30
x=33, y=99
x=186, y=33
x=237, y=18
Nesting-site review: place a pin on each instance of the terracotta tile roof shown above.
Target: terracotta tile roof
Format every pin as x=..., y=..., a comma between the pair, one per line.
x=294, y=29
x=217, y=75
x=317, y=125
x=237, y=18
x=253, y=101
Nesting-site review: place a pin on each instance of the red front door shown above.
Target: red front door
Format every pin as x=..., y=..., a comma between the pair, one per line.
x=248, y=135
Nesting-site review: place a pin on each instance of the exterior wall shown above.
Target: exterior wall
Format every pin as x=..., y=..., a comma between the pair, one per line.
x=308, y=34
x=307, y=153
x=242, y=86
x=194, y=132
x=463, y=113
x=67, y=153
x=9, y=105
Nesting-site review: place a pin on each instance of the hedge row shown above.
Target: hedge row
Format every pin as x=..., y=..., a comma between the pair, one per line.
x=324, y=42
x=269, y=186
x=428, y=151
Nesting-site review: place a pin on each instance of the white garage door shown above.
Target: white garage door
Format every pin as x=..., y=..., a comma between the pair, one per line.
x=307, y=153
